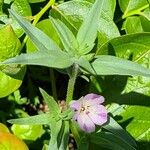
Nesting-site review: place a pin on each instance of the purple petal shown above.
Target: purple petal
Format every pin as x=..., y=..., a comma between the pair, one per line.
x=85, y=123
x=75, y=105
x=93, y=99
x=75, y=116
x=98, y=114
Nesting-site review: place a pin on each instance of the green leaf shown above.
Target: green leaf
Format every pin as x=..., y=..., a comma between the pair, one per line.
x=136, y=24
x=9, y=47
x=9, y=43
x=111, y=141
x=55, y=127
x=137, y=47
x=23, y=8
x=132, y=7
x=54, y=59
x=84, y=63
x=27, y=132
x=41, y=40
x=47, y=27
x=88, y=30
x=146, y=13
x=84, y=144
x=33, y=120
x=110, y=65
x=65, y=136
x=52, y=104
x=74, y=12
x=68, y=39
x=109, y=7
x=132, y=25
x=123, y=46
x=118, y=131
x=1, y=6
x=36, y=1
x=137, y=122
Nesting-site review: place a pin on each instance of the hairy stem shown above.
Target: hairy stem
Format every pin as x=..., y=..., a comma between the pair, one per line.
x=71, y=83
x=53, y=84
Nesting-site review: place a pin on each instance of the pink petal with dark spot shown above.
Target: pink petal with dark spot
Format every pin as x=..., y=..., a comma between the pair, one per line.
x=85, y=123
x=98, y=114
x=93, y=99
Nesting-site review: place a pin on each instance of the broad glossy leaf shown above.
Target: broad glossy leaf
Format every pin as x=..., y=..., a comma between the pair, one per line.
x=52, y=104
x=11, y=142
x=20, y=6
x=27, y=132
x=123, y=46
x=54, y=59
x=47, y=27
x=146, y=14
x=68, y=39
x=9, y=47
x=9, y=43
x=137, y=122
x=88, y=30
x=132, y=7
x=36, y=1
x=110, y=141
x=109, y=7
x=110, y=65
x=136, y=46
x=41, y=40
x=8, y=84
x=74, y=12
x=23, y=8
x=139, y=84
x=136, y=24
x=33, y=120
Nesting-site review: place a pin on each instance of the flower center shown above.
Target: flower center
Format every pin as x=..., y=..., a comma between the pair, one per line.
x=84, y=108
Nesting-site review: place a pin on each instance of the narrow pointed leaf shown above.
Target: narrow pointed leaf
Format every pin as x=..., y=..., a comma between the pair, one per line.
x=117, y=130
x=68, y=39
x=55, y=59
x=55, y=127
x=111, y=65
x=41, y=40
x=84, y=63
x=33, y=120
x=88, y=30
x=107, y=139
x=65, y=136
x=52, y=105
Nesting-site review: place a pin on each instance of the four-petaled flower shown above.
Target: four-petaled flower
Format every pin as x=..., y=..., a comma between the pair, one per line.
x=89, y=112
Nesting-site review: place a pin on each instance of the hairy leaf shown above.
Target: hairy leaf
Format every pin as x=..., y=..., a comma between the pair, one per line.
x=110, y=65
x=54, y=59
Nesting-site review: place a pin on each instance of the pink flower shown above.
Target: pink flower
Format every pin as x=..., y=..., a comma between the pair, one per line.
x=89, y=112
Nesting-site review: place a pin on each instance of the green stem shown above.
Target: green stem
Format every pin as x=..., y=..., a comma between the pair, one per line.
x=37, y=18
x=53, y=84
x=71, y=83
x=44, y=9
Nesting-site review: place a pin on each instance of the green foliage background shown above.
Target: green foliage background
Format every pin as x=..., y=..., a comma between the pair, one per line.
x=123, y=31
